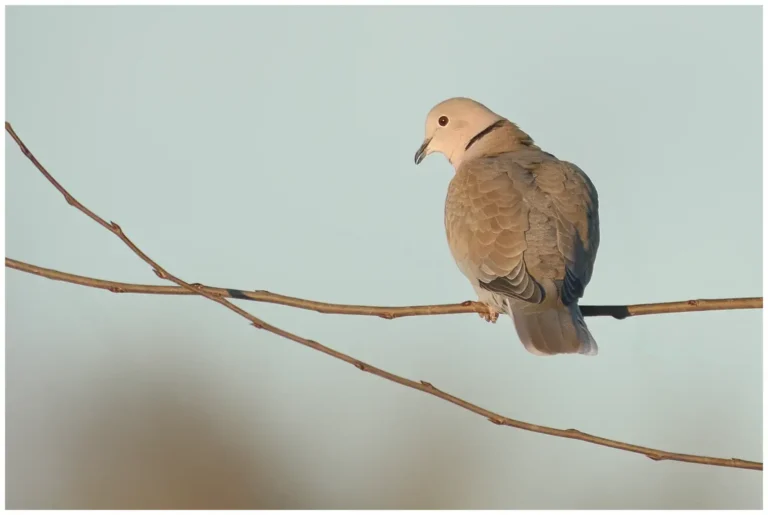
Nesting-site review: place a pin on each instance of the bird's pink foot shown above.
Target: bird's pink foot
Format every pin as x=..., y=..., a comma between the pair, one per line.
x=491, y=315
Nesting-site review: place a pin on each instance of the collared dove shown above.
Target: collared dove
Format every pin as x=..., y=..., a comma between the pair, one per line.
x=522, y=225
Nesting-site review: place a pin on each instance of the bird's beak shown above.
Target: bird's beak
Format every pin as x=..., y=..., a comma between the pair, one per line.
x=422, y=152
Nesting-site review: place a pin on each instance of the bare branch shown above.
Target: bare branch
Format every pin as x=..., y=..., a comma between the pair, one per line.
x=423, y=386
x=389, y=312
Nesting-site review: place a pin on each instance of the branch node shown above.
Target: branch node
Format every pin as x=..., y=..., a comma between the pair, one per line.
x=25, y=151
x=257, y=325
x=360, y=365
x=427, y=384
x=116, y=289
x=497, y=421
x=387, y=316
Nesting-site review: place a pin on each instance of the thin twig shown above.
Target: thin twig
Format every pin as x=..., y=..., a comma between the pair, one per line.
x=388, y=312
x=423, y=386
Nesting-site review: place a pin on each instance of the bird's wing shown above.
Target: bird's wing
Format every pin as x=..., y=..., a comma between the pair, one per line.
x=575, y=206
x=486, y=218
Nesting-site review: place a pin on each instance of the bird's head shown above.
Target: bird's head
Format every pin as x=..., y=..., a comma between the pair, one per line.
x=451, y=126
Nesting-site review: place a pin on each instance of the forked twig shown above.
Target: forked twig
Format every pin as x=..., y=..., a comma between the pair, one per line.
x=423, y=386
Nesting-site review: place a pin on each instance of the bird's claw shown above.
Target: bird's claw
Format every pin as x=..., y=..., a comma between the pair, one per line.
x=490, y=316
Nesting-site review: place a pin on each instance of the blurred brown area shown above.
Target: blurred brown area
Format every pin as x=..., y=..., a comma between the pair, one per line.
x=142, y=440
x=162, y=454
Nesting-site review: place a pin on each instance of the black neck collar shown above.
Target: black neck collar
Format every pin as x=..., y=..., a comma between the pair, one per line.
x=484, y=133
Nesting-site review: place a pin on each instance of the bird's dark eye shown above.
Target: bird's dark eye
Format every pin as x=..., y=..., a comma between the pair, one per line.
x=443, y=121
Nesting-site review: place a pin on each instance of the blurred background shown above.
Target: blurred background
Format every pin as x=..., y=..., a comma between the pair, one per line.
x=272, y=148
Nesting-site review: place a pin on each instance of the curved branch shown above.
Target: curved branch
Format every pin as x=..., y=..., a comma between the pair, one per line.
x=388, y=312
x=423, y=386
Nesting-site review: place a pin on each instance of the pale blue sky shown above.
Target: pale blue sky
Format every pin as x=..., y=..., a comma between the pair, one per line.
x=272, y=148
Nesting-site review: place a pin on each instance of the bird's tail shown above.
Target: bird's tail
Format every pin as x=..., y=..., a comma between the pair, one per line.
x=559, y=330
